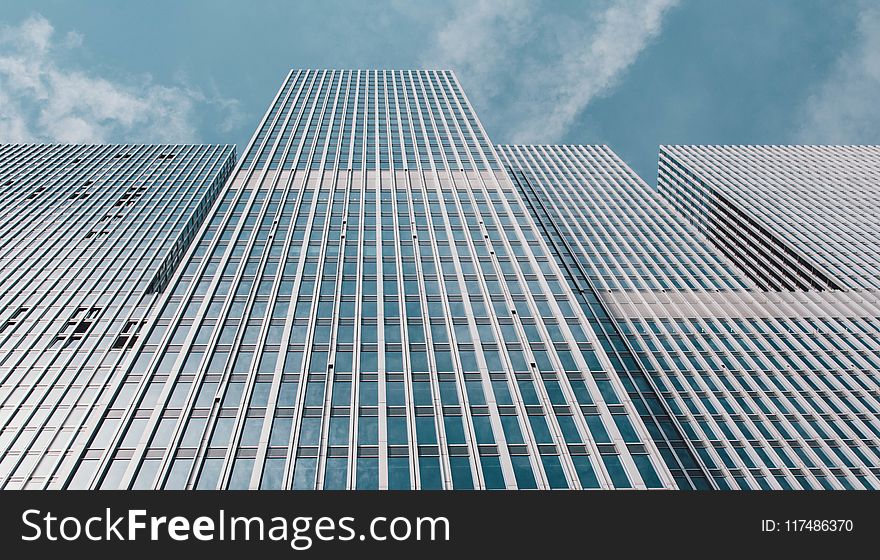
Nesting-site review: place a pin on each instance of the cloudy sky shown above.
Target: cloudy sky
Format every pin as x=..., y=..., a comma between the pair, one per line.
x=632, y=74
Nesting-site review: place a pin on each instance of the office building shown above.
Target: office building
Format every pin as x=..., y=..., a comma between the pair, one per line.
x=89, y=236
x=767, y=387
x=370, y=305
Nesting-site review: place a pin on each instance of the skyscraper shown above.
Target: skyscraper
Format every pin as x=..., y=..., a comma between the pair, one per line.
x=88, y=238
x=801, y=223
x=613, y=235
x=371, y=305
x=767, y=386
x=378, y=297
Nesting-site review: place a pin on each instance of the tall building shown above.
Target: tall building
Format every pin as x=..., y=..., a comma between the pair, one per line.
x=88, y=238
x=370, y=304
x=766, y=386
x=615, y=238
x=379, y=298
x=801, y=222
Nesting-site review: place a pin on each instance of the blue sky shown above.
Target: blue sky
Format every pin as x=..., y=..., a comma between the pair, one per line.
x=631, y=74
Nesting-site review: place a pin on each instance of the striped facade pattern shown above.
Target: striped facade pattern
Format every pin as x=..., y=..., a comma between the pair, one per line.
x=370, y=327
x=377, y=297
x=772, y=389
x=87, y=234
x=792, y=217
x=371, y=119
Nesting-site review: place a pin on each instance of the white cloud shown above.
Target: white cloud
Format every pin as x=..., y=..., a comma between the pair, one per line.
x=552, y=65
x=844, y=108
x=476, y=38
x=43, y=100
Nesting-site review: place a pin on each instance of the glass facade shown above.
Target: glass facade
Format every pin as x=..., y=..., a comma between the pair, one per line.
x=89, y=236
x=766, y=389
x=388, y=321
x=792, y=217
x=370, y=119
x=377, y=297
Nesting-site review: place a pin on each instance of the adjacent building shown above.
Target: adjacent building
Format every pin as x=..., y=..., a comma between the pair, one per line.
x=89, y=236
x=766, y=386
x=791, y=217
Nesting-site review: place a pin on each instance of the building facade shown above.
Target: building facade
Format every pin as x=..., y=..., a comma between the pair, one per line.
x=768, y=387
x=370, y=305
x=377, y=297
x=801, y=223
x=89, y=236
x=791, y=217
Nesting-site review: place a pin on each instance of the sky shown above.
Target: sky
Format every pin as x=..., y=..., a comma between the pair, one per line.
x=632, y=74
